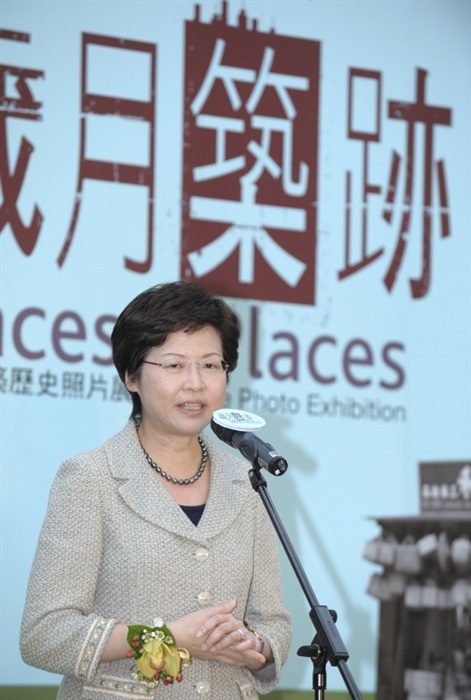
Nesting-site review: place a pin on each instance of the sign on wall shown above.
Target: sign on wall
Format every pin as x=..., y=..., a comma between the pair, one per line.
x=292, y=157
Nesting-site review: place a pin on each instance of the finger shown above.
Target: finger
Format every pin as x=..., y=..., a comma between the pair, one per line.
x=237, y=639
x=218, y=616
x=239, y=635
x=223, y=631
x=233, y=657
x=217, y=629
x=229, y=606
x=222, y=624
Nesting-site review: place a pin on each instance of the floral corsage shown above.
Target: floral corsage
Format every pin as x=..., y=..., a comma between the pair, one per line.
x=157, y=658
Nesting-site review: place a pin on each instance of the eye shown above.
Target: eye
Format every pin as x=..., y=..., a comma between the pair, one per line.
x=173, y=366
x=211, y=366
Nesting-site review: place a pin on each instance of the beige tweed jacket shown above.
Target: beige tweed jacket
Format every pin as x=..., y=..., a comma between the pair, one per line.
x=115, y=547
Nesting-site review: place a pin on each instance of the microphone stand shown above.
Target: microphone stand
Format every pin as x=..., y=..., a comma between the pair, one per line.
x=327, y=645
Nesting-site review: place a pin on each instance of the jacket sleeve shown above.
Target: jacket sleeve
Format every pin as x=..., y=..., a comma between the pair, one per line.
x=265, y=612
x=60, y=631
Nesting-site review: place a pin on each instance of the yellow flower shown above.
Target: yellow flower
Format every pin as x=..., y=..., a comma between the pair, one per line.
x=158, y=656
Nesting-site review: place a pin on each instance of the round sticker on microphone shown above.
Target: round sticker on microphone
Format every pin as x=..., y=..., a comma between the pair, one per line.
x=235, y=419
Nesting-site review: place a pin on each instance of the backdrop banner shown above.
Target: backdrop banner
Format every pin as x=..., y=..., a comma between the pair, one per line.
x=308, y=160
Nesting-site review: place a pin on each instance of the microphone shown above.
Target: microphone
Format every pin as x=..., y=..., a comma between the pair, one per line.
x=236, y=428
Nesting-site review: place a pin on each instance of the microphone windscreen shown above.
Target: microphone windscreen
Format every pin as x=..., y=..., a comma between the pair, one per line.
x=235, y=419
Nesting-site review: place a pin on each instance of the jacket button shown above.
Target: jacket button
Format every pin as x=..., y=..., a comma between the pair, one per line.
x=204, y=597
x=201, y=554
x=202, y=687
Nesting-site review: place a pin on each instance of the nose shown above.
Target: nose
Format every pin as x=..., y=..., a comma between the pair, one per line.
x=193, y=374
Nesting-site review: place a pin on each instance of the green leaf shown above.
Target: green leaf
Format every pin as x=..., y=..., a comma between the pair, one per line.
x=134, y=630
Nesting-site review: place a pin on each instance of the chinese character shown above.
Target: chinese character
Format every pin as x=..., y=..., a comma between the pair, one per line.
x=22, y=106
x=97, y=384
x=413, y=114
x=119, y=391
x=3, y=380
x=21, y=381
x=249, y=208
x=124, y=108
x=429, y=115
x=47, y=381
x=367, y=133
x=73, y=385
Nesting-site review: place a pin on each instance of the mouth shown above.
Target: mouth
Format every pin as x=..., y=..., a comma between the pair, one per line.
x=191, y=406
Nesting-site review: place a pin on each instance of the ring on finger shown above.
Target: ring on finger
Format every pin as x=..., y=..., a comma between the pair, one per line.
x=242, y=633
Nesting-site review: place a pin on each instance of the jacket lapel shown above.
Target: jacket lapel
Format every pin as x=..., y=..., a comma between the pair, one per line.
x=143, y=492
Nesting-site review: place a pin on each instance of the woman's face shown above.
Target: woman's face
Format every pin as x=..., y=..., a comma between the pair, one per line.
x=181, y=403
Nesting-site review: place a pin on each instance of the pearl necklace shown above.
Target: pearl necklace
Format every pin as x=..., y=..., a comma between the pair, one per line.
x=183, y=482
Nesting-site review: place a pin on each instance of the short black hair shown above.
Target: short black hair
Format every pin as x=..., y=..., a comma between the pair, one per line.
x=149, y=319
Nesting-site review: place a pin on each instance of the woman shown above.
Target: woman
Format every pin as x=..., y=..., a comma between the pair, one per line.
x=160, y=523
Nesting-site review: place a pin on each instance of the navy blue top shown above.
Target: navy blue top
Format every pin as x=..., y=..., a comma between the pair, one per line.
x=194, y=512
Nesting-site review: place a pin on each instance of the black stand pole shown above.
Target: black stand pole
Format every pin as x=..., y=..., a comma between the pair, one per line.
x=327, y=646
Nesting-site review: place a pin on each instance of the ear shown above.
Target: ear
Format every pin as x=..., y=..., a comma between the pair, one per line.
x=130, y=382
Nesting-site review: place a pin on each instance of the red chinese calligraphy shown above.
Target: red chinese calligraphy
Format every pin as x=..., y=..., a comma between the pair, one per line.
x=367, y=134
x=126, y=108
x=430, y=116
x=249, y=207
x=22, y=106
x=413, y=114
